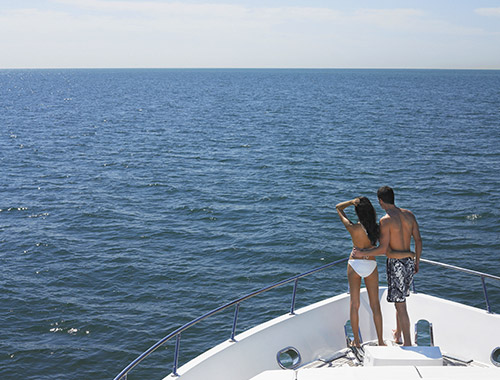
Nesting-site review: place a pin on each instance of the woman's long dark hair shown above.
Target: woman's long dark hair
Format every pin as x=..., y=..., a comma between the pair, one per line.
x=368, y=219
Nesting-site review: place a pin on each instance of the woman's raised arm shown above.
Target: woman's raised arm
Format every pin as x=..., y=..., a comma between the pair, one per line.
x=340, y=210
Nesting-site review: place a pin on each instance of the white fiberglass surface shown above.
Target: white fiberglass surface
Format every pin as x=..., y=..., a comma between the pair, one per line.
x=317, y=331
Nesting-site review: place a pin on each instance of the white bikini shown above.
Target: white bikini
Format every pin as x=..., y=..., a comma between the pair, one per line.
x=363, y=267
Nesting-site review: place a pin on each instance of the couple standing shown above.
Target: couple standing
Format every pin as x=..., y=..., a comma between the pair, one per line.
x=394, y=235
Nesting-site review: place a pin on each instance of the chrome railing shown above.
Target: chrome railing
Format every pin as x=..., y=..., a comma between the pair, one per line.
x=177, y=333
x=468, y=271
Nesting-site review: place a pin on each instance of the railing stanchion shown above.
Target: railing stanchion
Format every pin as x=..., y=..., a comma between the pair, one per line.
x=292, y=308
x=236, y=311
x=176, y=355
x=488, y=307
x=431, y=333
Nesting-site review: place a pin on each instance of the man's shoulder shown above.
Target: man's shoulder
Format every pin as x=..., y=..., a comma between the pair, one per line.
x=407, y=213
x=386, y=219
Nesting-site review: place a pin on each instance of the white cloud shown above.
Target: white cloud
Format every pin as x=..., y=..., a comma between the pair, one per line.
x=388, y=18
x=493, y=12
x=411, y=21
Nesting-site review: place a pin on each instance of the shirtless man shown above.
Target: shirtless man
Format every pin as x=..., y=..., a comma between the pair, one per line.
x=397, y=228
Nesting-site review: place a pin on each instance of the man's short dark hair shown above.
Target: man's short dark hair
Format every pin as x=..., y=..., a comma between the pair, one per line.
x=386, y=194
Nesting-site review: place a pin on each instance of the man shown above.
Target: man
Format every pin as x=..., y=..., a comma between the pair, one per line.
x=397, y=228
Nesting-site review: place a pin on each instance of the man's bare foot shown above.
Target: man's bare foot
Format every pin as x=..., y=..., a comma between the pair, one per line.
x=397, y=337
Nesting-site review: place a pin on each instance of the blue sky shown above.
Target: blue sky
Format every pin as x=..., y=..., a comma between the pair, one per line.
x=243, y=33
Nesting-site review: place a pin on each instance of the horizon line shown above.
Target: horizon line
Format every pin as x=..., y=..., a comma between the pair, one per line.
x=247, y=68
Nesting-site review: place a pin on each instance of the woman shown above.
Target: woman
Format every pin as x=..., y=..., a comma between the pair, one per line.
x=364, y=234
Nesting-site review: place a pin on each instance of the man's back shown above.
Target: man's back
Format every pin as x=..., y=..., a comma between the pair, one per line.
x=401, y=225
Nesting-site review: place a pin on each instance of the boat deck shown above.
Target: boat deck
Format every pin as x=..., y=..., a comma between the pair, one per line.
x=383, y=373
x=349, y=363
x=354, y=357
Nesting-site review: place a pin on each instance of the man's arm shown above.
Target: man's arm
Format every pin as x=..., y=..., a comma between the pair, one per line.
x=385, y=238
x=415, y=232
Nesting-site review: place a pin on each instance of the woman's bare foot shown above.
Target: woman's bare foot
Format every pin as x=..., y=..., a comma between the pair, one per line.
x=381, y=343
x=355, y=343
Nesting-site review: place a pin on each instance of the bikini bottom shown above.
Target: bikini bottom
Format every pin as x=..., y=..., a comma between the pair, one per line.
x=363, y=267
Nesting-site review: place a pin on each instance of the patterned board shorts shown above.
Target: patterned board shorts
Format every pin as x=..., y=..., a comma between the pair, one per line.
x=399, y=278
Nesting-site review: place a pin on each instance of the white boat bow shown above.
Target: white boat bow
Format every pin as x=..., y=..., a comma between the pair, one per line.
x=461, y=342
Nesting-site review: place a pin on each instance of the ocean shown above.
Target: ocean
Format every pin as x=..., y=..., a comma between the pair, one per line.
x=133, y=201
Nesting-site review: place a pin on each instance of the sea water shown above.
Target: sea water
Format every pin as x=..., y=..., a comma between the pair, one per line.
x=133, y=201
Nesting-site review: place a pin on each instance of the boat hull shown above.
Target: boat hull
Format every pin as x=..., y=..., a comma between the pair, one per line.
x=317, y=332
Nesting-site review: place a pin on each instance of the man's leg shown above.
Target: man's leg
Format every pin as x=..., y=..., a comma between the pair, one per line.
x=396, y=334
x=403, y=322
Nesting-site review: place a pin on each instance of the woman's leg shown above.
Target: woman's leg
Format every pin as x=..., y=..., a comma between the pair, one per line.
x=371, y=283
x=354, y=287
